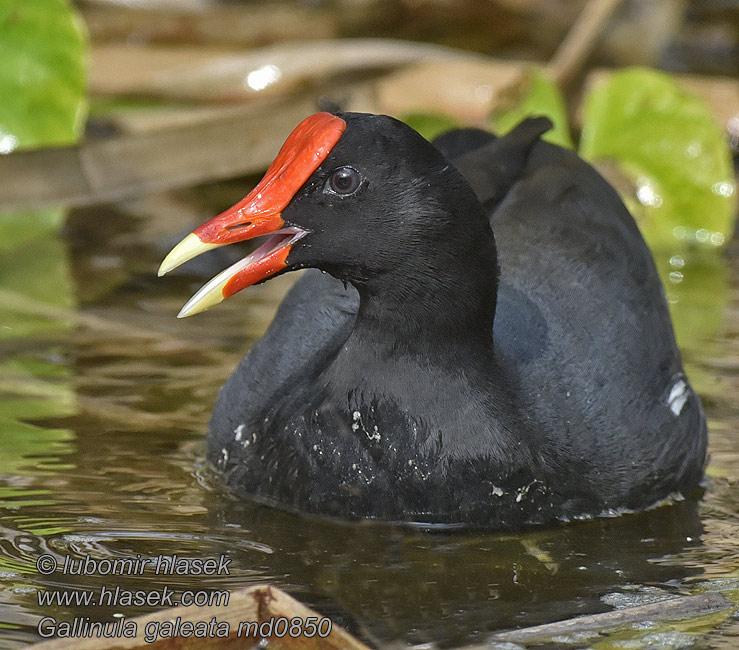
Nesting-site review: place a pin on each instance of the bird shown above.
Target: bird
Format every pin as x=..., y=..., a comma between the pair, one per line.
x=481, y=337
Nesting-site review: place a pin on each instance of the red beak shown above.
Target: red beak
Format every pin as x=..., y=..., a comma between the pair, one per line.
x=260, y=213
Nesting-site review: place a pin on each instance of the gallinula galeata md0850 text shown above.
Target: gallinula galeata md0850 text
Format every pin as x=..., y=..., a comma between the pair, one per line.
x=491, y=344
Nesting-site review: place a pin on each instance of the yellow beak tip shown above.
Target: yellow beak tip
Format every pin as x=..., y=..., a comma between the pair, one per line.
x=189, y=247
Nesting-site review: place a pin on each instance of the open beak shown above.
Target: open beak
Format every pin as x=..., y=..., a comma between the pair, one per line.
x=266, y=260
x=258, y=214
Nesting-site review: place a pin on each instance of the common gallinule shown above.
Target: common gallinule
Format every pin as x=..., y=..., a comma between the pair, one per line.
x=441, y=374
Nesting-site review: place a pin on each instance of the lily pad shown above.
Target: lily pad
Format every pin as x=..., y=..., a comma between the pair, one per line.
x=535, y=95
x=666, y=141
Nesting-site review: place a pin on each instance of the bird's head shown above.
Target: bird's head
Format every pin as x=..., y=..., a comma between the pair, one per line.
x=353, y=194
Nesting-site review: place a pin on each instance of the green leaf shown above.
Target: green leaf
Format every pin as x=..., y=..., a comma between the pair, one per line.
x=429, y=125
x=42, y=74
x=42, y=103
x=42, y=86
x=536, y=95
x=669, y=146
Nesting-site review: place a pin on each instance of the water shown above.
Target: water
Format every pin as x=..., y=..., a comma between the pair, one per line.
x=104, y=399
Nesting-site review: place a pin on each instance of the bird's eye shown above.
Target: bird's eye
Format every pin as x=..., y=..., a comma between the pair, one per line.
x=344, y=181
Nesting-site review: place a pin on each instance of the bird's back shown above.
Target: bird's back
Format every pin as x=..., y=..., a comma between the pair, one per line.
x=583, y=321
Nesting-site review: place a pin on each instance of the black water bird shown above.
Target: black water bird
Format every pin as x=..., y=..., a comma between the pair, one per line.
x=491, y=344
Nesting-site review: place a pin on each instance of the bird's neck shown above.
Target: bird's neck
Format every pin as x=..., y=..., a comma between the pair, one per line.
x=421, y=353
x=441, y=302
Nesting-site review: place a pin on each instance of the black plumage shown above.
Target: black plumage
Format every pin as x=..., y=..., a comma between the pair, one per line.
x=378, y=390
